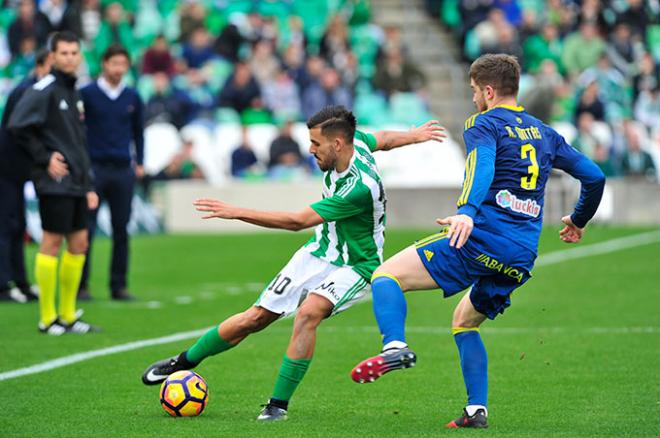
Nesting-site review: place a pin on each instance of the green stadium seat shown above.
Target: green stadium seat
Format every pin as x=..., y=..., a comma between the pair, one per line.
x=145, y=87
x=227, y=116
x=253, y=116
x=408, y=108
x=371, y=109
x=653, y=39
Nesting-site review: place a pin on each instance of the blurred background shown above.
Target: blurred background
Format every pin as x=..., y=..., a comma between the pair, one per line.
x=228, y=85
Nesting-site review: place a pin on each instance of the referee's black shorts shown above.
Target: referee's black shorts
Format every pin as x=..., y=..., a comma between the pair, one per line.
x=63, y=214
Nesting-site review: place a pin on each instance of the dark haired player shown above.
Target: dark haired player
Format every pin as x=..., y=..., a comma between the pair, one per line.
x=332, y=270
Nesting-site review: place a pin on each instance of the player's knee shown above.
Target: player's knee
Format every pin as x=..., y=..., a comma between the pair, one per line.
x=384, y=272
x=309, y=317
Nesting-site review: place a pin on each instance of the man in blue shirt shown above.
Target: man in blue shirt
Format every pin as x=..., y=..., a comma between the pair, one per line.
x=114, y=121
x=490, y=245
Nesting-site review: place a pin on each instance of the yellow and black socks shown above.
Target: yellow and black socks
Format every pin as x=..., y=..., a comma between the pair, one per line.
x=208, y=345
x=45, y=271
x=71, y=267
x=291, y=373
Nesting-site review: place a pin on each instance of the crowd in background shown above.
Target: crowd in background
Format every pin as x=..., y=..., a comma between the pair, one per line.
x=239, y=61
x=592, y=64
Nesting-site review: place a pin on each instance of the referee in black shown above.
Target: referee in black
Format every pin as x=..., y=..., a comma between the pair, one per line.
x=48, y=122
x=115, y=140
x=14, y=173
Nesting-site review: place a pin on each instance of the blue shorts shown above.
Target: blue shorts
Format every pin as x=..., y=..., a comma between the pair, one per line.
x=493, y=265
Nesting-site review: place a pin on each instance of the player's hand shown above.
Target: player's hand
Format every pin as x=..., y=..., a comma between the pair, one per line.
x=57, y=167
x=92, y=200
x=139, y=171
x=430, y=130
x=570, y=233
x=216, y=208
x=460, y=228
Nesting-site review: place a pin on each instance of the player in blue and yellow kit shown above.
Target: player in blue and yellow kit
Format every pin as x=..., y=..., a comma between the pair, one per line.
x=491, y=243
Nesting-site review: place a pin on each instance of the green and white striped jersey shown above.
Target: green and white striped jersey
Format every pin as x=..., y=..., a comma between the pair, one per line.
x=353, y=208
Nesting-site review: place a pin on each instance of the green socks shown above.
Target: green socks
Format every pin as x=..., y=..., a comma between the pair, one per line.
x=291, y=373
x=208, y=345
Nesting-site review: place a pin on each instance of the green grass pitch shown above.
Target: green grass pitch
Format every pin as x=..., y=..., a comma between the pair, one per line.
x=577, y=354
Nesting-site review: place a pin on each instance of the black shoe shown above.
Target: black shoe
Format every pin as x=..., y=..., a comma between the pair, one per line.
x=272, y=413
x=55, y=328
x=159, y=371
x=84, y=295
x=80, y=327
x=477, y=421
x=389, y=360
x=122, y=295
x=30, y=292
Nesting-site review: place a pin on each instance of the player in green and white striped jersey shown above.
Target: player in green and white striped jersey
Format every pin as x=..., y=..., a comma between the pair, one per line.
x=330, y=272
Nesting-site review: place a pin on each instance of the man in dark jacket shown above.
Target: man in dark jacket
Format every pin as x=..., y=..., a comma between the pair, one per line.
x=48, y=122
x=14, y=172
x=114, y=120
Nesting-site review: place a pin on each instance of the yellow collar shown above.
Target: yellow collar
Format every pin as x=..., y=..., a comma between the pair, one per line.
x=509, y=107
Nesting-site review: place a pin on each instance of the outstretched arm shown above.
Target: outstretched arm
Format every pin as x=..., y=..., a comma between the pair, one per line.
x=388, y=140
x=305, y=218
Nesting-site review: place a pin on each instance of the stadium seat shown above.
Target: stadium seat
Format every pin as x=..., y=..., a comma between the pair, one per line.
x=408, y=109
x=566, y=130
x=204, y=151
x=161, y=143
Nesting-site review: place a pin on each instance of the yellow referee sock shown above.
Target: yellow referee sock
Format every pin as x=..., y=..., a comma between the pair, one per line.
x=71, y=267
x=45, y=271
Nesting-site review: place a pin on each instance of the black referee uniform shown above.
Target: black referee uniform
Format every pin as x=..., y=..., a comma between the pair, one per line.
x=50, y=118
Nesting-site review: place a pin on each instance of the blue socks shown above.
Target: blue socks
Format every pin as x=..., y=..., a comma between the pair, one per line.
x=474, y=363
x=390, y=308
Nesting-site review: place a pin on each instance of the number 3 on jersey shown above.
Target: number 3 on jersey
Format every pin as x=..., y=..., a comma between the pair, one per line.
x=528, y=182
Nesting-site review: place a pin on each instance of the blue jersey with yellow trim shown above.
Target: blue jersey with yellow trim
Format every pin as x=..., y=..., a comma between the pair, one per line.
x=510, y=155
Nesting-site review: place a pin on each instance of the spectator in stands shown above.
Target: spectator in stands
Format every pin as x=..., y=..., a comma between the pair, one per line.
x=90, y=20
x=243, y=159
x=314, y=67
x=293, y=63
x=28, y=23
x=486, y=34
x=539, y=100
x=507, y=42
x=612, y=88
x=590, y=103
x=540, y=47
x=636, y=162
x=392, y=41
x=473, y=12
x=586, y=140
x=228, y=43
x=241, y=90
x=193, y=16
x=624, y=53
x=284, y=151
x=197, y=50
x=182, y=165
x=22, y=63
x=295, y=34
x=56, y=11
x=396, y=74
x=591, y=11
x=334, y=46
x=263, y=63
x=636, y=17
x=647, y=108
x=114, y=30
x=169, y=104
x=282, y=97
x=158, y=59
x=582, y=49
x=602, y=157
x=328, y=91
x=648, y=77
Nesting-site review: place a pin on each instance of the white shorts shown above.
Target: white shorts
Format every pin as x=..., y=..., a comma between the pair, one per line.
x=306, y=274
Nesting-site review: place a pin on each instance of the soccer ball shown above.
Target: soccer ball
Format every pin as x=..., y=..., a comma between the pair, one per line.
x=184, y=394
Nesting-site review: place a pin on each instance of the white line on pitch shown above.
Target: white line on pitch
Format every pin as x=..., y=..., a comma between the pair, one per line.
x=551, y=258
